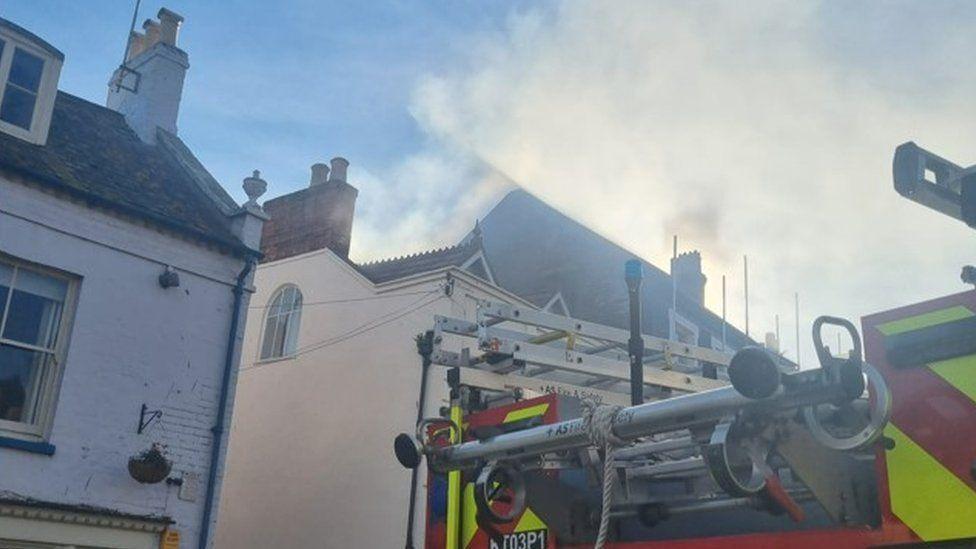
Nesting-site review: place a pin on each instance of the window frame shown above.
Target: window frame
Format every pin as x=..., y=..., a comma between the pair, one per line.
x=285, y=354
x=676, y=320
x=47, y=88
x=49, y=392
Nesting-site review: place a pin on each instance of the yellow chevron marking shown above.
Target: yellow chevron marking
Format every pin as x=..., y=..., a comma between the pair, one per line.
x=926, y=496
x=528, y=412
x=960, y=372
x=469, y=521
x=529, y=521
x=925, y=320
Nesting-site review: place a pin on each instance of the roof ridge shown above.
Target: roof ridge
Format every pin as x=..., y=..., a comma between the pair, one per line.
x=423, y=253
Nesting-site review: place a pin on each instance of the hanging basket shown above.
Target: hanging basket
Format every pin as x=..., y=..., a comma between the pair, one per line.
x=150, y=466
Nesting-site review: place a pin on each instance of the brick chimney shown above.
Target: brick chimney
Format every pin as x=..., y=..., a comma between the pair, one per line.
x=148, y=87
x=317, y=217
x=687, y=274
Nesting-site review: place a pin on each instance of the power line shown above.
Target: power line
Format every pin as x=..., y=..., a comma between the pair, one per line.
x=352, y=299
x=368, y=326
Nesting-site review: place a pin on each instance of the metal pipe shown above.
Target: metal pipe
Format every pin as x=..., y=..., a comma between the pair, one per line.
x=216, y=446
x=635, y=345
x=425, y=345
x=660, y=416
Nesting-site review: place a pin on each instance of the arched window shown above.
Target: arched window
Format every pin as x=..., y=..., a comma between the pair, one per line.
x=281, y=324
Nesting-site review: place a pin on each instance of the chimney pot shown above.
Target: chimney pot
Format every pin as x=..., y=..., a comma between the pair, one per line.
x=320, y=174
x=169, y=26
x=339, y=166
x=152, y=33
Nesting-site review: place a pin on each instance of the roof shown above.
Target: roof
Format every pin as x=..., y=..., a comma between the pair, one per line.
x=555, y=254
x=401, y=267
x=92, y=154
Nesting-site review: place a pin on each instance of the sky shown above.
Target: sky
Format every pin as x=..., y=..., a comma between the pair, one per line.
x=763, y=128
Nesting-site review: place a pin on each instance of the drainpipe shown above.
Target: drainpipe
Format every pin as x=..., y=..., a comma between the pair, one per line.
x=425, y=346
x=218, y=428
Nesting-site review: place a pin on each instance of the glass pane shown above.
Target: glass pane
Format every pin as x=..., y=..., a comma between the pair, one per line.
x=21, y=374
x=267, y=341
x=1, y=47
x=291, y=333
x=25, y=70
x=35, y=309
x=6, y=275
x=17, y=107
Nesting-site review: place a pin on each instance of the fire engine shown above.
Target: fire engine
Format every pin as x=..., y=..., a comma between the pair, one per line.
x=542, y=447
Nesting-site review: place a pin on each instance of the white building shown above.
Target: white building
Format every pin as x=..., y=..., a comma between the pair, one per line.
x=124, y=284
x=330, y=375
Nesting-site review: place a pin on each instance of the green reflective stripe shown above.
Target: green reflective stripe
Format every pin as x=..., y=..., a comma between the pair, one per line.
x=925, y=320
x=960, y=372
x=925, y=495
x=524, y=413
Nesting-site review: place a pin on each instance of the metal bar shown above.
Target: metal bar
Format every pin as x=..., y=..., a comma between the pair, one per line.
x=694, y=464
x=498, y=382
x=649, y=448
x=592, y=330
x=638, y=421
x=635, y=344
x=573, y=361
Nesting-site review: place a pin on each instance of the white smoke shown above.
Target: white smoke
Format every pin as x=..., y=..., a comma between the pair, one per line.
x=763, y=128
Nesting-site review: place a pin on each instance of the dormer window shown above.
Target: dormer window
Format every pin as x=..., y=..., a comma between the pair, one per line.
x=29, y=69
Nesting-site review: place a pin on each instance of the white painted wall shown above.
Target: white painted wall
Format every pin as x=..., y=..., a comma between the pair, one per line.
x=132, y=342
x=311, y=455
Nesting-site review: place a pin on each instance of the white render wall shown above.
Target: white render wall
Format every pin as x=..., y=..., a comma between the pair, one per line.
x=311, y=454
x=131, y=342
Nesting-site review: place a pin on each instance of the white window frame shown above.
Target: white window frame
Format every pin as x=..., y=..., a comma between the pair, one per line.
x=48, y=393
x=286, y=354
x=677, y=320
x=47, y=89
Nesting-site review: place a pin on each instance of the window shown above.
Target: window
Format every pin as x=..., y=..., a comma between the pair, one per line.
x=32, y=333
x=29, y=70
x=281, y=325
x=684, y=331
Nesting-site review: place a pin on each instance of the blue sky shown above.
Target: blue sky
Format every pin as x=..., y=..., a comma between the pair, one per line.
x=762, y=127
x=278, y=86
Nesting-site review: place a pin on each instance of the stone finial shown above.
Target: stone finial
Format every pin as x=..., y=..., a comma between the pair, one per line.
x=254, y=187
x=320, y=174
x=339, y=166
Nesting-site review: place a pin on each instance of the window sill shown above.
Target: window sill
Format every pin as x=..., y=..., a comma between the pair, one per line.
x=275, y=359
x=27, y=445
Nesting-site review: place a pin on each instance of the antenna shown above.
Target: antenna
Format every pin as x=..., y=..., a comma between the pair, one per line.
x=723, y=313
x=125, y=50
x=745, y=268
x=674, y=291
x=777, y=332
x=796, y=311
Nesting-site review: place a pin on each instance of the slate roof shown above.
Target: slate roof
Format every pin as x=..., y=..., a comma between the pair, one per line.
x=92, y=154
x=401, y=267
x=535, y=251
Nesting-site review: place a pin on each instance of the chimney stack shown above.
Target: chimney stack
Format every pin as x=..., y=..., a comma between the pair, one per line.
x=339, y=165
x=688, y=276
x=148, y=86
x=314, y=218
x=320, y=174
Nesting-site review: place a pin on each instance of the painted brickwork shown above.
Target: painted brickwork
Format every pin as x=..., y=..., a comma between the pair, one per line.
x=132, y=342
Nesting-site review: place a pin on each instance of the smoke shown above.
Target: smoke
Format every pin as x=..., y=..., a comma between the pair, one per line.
x=763, y=129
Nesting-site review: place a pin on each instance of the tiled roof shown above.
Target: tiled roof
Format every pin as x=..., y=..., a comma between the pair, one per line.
x=400, y=267
x=92, y=154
